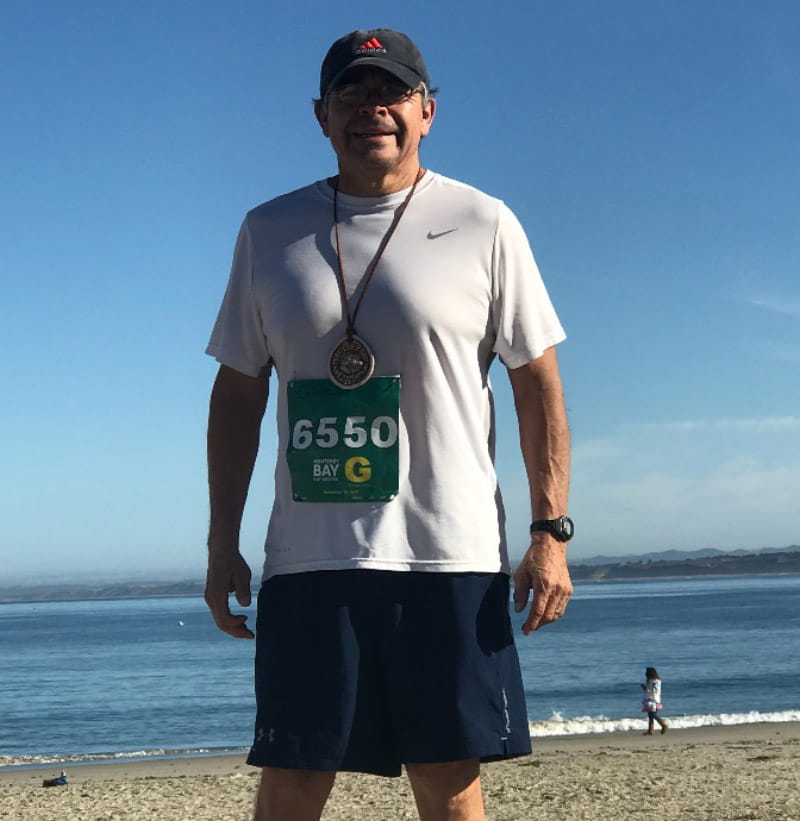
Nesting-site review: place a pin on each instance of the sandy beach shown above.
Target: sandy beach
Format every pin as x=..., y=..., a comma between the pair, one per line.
x=739, y=773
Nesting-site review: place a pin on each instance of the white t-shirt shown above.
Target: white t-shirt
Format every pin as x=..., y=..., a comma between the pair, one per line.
x=652, y=695
x=456, y=285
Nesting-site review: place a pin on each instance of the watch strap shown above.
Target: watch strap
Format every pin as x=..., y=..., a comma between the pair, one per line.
x=561, y=528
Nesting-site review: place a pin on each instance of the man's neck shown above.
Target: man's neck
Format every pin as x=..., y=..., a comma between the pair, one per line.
x=375, y=185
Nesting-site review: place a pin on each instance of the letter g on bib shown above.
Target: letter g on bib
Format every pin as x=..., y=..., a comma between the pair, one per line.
x=357, y=469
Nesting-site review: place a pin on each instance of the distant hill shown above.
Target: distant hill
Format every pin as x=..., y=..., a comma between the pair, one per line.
x=710, y=563
x=679, y=555
x=666, y=564
x=53, y=591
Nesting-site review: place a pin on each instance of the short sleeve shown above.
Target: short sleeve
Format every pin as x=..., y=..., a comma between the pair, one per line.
x=525, y=321
x=238, y=339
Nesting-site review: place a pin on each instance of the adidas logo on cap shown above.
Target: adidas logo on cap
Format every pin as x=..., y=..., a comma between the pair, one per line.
x=371, y=46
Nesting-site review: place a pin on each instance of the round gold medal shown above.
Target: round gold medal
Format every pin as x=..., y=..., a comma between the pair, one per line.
x=351, y=363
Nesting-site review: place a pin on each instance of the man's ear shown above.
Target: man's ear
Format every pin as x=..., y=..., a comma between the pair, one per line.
x=428, y=113
x=321, y=114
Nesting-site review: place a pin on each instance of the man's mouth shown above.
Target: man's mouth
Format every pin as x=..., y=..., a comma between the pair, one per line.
x=373, y=133
x=374, y=130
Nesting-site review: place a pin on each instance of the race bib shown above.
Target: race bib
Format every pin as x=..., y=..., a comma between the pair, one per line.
x=343, y=444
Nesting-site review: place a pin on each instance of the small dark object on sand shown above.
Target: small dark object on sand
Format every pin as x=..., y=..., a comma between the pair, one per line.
x=58, y=781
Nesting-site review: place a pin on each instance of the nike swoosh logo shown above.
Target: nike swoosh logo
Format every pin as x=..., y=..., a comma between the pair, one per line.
x=431, y=235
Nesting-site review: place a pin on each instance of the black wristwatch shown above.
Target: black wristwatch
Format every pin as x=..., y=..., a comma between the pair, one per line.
x=561, y=528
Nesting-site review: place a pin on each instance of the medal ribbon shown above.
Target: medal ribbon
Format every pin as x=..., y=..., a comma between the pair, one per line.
x=351, y=317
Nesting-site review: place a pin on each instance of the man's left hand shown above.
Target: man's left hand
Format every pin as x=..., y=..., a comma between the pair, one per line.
x=543, y=571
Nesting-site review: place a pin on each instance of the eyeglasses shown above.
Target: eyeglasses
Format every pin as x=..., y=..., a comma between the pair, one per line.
x=356, y=94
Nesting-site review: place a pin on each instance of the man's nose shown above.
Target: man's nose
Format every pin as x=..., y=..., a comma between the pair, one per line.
x=372, y=99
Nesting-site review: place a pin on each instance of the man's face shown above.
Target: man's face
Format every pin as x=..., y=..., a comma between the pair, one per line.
x=374, y=122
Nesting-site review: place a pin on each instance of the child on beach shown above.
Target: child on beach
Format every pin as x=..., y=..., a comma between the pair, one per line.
x=651, y=703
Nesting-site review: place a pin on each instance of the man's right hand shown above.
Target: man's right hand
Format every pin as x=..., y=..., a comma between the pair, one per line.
x=228, y=573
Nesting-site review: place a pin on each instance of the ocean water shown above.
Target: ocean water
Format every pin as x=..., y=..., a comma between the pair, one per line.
x=100, y=680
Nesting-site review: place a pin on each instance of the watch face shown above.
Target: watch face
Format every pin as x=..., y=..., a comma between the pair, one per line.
x=565, y=528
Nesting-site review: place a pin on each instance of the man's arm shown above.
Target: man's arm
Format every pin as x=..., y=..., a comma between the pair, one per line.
x=544, y=437
x=235, y=412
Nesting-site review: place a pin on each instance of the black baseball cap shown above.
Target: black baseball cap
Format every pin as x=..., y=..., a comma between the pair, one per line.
x=390, y=50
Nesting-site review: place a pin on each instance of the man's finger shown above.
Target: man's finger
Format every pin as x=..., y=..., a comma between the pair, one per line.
x=242, y=589
x=522, y=592
x=234, y=624
x=535, y=617
x=543, y=611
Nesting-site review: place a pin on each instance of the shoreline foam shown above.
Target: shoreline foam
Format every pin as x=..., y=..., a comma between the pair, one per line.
x=554, y=727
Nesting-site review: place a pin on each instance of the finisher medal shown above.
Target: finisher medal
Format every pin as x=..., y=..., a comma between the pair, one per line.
x=351, y=363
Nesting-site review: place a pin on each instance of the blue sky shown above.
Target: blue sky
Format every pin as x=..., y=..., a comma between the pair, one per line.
x=649, y=149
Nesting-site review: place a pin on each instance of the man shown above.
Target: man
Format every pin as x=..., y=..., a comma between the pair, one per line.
x=381, y=296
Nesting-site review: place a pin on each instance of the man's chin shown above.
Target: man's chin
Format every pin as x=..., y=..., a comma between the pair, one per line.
x=378, y=157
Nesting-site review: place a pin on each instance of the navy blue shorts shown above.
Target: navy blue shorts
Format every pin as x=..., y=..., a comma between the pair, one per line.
x=364, y=670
